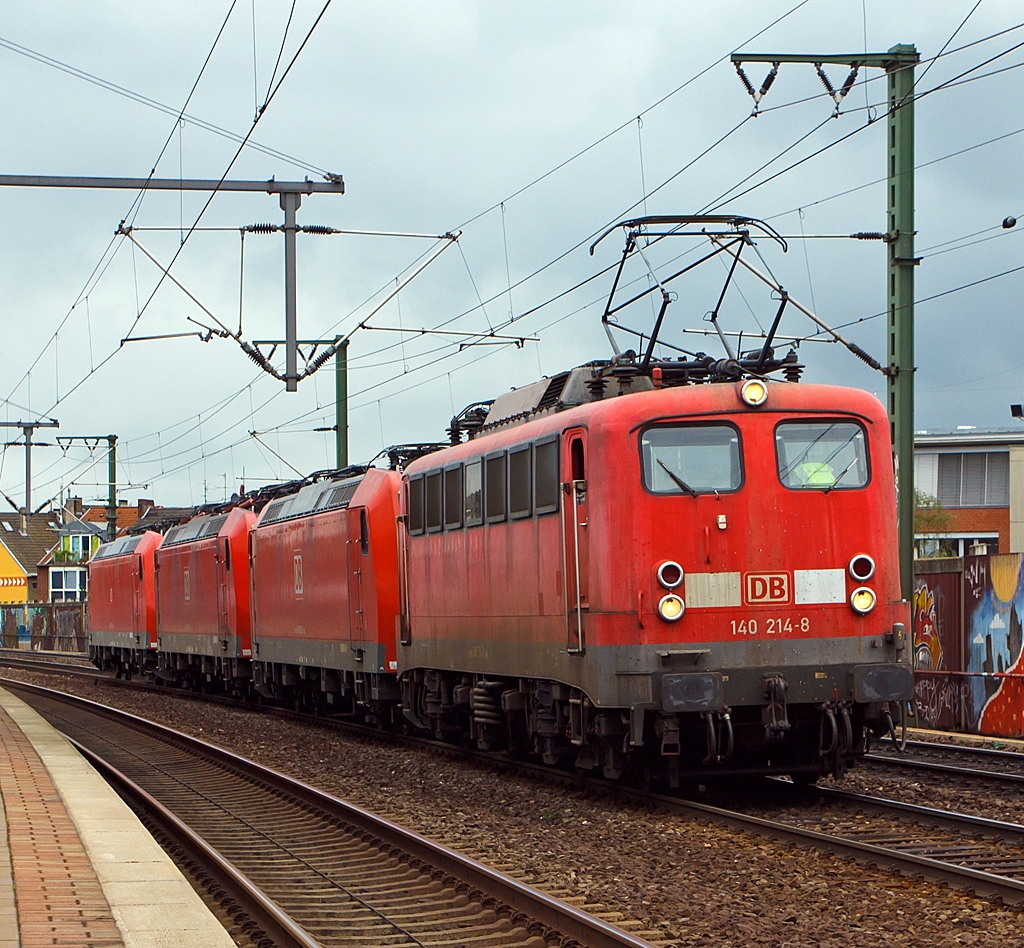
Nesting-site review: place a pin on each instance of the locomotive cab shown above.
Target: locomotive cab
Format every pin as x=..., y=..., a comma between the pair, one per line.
x=776, y=597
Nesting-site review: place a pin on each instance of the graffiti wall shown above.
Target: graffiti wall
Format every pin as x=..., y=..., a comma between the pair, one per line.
x=940, y=698
x=46, y=626
x=993, y=603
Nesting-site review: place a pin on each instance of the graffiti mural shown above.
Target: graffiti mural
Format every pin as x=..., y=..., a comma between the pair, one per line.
x=993, y=603
x=939, y=697
x=46, y=626
x=927, y=645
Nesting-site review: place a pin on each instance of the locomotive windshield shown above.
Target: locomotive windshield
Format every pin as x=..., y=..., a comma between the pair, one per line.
x=691, y=459
x=821, y=455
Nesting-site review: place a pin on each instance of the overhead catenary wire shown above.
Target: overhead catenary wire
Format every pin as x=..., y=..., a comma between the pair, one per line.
x=481, y=301
x=148, y=102
x=375, y=400
x=778, y=20
x=626, y=124
x=209, y=200
x=94, y=277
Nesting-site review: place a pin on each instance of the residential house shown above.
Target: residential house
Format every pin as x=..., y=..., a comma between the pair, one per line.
x=977, y=476
x=24, y=541
x=63, y=572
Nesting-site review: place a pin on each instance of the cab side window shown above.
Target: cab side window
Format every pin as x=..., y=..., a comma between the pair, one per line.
x=416, y=513
x=473, y=493
x=520, y=482
x=545, y=474
x=495, y=489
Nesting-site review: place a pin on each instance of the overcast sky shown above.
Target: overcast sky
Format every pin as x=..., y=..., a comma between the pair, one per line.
x=438, y=115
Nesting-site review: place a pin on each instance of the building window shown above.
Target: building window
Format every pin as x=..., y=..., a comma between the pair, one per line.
x=975, y=479
x=931, y=546
x=67, y=585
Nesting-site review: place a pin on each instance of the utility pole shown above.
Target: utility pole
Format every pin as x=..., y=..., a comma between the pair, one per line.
x=341, y=403
x=28, y=427
x=291, y=197
x=92, y=441
x=111, y=487
x=898, y=63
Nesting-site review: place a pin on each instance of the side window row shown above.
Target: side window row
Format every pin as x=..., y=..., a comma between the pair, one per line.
x=505, y=485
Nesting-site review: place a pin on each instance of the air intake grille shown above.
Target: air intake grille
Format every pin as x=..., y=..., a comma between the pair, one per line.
x=552, y=393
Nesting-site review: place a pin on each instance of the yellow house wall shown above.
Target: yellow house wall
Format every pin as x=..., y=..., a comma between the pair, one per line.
x=13, y=581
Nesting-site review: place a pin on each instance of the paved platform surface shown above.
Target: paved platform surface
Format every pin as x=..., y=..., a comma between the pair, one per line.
x=77, y=868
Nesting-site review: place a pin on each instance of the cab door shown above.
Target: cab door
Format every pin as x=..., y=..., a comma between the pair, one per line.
x=138, y=601
x=357, y=548
x=222, y=562
x=575, y=545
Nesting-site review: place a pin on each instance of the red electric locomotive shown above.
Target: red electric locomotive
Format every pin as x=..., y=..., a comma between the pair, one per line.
x=121, y=625
x=202, y=602
x=325, y=595
x=623, y=576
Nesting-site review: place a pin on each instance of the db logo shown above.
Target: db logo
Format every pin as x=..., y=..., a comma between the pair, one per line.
x=767, y=587
x=297, y=563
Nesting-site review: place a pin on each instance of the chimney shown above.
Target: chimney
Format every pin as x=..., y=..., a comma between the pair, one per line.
x=24, y=521
x=144, y=505
x=76, y=506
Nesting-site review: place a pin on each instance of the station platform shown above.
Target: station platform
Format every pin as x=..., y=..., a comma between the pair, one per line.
x=77, y=867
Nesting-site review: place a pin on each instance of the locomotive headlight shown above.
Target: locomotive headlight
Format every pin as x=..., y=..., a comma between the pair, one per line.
x=671, y=607
x=754, y=392
x=670, y=574
x=862, y=600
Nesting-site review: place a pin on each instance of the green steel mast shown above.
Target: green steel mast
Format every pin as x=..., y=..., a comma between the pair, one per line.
x=899, y=63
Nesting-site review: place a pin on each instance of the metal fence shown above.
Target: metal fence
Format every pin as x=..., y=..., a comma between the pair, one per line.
x=44, y=626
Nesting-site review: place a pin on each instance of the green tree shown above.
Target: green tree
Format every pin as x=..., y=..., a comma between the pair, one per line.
x=931, y=517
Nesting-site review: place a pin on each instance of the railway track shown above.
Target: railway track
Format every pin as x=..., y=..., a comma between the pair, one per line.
x=305, y=867
x=983, y=855
x=978, y=763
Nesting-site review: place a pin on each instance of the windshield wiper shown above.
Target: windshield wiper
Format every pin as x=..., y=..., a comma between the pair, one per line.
x=842, y=474
x=679, y=481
